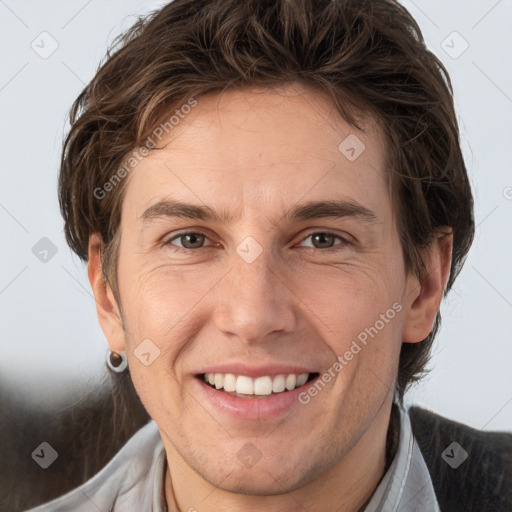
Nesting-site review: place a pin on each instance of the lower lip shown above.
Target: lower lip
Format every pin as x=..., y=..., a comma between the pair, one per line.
x=268, y=408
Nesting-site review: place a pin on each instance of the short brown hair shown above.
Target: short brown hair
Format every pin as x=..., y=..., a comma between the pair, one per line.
x=364, y=54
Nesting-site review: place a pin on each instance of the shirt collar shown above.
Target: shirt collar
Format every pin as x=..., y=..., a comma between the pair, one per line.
x=406, y=486
x=159, y=504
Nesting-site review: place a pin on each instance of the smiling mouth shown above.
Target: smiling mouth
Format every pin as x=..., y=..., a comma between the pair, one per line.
x=243, y=386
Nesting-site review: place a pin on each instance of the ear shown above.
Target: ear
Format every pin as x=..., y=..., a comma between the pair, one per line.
x=424, y=295
x=106, y=306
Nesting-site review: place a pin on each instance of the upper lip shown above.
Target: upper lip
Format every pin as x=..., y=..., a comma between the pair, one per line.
x=254, y=371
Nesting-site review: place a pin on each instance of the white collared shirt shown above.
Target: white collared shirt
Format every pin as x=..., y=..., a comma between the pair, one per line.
x=134, y=480
x=406, y=486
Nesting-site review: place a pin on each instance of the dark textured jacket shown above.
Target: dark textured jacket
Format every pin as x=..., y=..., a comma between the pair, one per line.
x=483, y=482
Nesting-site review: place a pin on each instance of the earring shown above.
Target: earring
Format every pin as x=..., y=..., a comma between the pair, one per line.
x=116, y=361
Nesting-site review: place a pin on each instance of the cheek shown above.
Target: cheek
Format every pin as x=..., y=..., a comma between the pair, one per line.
x=360, y=317
x=159, y=300
x=370, y=355
x=348, y=301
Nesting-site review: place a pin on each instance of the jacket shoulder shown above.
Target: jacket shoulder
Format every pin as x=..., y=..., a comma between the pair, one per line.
x=471, y=469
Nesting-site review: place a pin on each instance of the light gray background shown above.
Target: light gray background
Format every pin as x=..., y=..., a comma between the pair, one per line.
x=51, y=346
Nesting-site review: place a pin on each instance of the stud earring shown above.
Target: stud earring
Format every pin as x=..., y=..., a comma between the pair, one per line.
x=116, y=362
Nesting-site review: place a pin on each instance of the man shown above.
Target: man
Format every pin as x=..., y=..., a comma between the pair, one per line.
x=272, y=201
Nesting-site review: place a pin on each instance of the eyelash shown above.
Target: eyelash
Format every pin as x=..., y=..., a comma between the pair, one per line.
x=185, y=250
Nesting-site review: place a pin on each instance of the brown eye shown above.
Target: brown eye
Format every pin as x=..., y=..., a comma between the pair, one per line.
x=189, y=240
x=324, y=240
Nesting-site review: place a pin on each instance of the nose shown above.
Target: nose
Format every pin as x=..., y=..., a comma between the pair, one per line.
x=255, y=303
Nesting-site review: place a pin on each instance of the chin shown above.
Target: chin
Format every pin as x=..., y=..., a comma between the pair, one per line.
x=265, y=479
x=260, y=483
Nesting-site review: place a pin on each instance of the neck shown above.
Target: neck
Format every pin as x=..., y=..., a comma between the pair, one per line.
x=346, y=487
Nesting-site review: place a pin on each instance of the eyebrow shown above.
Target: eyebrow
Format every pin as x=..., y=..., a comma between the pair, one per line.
x=167, y=208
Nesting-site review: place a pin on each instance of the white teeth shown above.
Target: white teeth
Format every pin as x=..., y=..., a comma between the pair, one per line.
x=261, y=386
x=229, y=382
x=302, y=378
x=244, y=385
x=219, y=380
x=278, y=384
x=291, y=381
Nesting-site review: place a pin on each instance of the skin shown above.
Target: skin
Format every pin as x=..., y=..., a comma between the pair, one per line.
x=255, y=154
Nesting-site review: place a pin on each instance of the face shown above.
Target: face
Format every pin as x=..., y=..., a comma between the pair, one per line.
x=256, y=253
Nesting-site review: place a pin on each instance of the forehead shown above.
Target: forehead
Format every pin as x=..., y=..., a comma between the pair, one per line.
x=260, y=150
